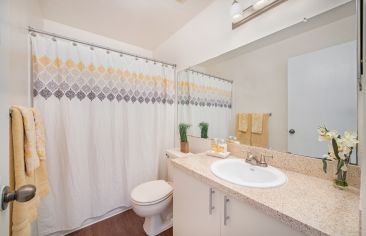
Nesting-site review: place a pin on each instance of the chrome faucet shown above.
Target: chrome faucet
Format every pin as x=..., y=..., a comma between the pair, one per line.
x=253, y=160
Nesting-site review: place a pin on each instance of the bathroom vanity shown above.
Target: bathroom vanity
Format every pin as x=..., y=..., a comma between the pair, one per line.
x=207, y=205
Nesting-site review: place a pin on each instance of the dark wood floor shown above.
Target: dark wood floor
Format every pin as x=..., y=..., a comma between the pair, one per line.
x=124, y=224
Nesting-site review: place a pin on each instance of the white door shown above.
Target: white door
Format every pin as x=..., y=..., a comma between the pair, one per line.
x=191, y=207
x=4, y=115
x=4, y=159
x=322, y=89
x=244, y=220
x=15, y=16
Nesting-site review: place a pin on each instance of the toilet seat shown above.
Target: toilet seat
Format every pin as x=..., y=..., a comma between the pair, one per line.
x=152, y=192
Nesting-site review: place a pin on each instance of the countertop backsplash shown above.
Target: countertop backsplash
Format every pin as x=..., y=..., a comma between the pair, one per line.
x=297, y=163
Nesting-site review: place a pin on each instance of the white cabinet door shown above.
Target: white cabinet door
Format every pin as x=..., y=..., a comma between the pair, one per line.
x=244, y=220
x=191, y=207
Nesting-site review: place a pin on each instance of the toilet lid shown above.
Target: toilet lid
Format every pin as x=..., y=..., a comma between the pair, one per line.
x=151, y=191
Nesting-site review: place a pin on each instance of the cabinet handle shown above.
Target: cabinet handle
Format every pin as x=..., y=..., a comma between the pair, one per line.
x=226, y=217
x=210, y=206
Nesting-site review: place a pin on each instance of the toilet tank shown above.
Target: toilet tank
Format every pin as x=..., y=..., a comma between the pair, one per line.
x=172, y=154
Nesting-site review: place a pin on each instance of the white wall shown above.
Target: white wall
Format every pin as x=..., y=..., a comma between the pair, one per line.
x=209, y=34
x=72, y=32
x=15, y=16
x=260, y=76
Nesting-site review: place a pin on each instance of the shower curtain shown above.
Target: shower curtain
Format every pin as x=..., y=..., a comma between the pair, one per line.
x=204, y=98
x=108, y=119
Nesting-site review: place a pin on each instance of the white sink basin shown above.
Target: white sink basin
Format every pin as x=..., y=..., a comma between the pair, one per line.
x=239, y=172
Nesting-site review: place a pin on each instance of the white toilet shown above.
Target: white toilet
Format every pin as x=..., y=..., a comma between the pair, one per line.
x=153, y=200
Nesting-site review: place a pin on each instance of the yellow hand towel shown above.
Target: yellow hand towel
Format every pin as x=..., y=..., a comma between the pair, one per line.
x=30, y=148
x=40, y=136
x=261, y=139
x=243, y=122
x=257, y=123
x=41, y=172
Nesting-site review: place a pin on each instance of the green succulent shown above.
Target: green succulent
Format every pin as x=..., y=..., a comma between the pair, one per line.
x=204, y=129
x=183, y=127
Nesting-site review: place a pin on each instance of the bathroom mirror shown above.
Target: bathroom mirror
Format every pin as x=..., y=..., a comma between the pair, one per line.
x=290, y=83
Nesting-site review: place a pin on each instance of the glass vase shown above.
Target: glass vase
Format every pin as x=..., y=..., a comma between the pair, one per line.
x=341, y=180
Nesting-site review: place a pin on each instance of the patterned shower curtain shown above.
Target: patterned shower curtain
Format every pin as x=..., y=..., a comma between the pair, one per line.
x=203, y=98
x=108, y=119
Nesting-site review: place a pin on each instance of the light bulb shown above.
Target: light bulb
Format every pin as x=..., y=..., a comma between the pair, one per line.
x=261, y=4
x=236, y=11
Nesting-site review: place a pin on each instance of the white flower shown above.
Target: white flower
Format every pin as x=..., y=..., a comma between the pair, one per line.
x=329, y=156
x=326, y=156
x=342, y=156
x=349, y=139
x=346, y=150
x=344, y=167
x=332, y=134
x=322, y=131
x=326, y=135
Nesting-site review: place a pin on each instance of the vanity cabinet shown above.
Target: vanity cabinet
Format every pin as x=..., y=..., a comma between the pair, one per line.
x=246, y=220
x=192, y=214
x=200, y=210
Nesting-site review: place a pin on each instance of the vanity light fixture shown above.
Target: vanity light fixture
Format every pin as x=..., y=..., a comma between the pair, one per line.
x=236, y=11
x=240, y=16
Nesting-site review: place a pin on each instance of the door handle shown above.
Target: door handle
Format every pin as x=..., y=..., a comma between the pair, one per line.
x=23, y=194
x=291, y=131
x=226, y=217
x=210, y=205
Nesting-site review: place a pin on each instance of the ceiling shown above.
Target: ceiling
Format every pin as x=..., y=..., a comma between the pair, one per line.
x=144, y=23
x=328, y=17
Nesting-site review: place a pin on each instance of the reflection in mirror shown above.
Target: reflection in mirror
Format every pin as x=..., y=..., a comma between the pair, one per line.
x=203, y=98
x=304, y=75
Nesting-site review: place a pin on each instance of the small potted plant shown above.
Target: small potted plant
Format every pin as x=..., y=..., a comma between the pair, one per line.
x=204, y=129
x=339, y=149
x=183, y=127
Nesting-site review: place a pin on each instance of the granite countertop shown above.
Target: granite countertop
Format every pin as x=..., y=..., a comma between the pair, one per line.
x=308, y=204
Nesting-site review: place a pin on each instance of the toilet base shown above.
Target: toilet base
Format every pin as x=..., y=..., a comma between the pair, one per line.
x=156, y=224
x=152, y=229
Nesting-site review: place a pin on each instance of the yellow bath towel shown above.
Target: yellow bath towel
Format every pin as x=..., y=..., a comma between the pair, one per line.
x=244, y=137
x=30, y=146
x=22, y=214
x=257, y=123
x=243, y=122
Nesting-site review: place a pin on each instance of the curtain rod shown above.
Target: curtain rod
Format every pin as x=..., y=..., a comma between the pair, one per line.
x=30, y=29
x=230, y=81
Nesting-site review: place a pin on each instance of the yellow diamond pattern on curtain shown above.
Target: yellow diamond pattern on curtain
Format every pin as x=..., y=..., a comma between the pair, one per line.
x=95, y=81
